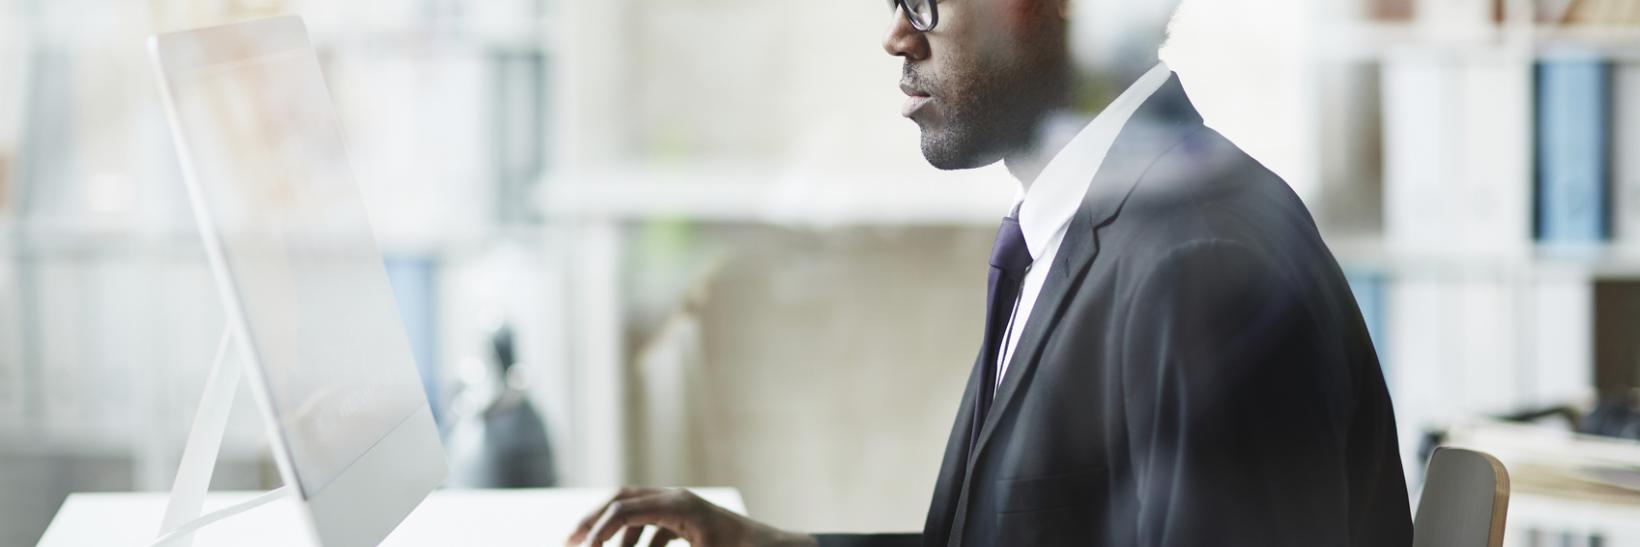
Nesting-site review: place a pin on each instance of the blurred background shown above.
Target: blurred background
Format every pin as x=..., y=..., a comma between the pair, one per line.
x=691, y=242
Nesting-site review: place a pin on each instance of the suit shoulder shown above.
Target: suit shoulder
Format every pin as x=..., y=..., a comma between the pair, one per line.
x=1202, y=173
x=1206, y=194
x=1205, y=187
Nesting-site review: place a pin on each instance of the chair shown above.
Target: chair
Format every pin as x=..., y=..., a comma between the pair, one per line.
x=1465, y=501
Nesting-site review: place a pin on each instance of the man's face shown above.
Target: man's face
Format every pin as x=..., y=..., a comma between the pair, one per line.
x=980, y=81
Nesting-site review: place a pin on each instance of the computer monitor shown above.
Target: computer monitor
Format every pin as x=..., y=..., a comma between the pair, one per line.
x=303, y=282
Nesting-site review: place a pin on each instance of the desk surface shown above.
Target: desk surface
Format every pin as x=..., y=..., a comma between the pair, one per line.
x=447, y=517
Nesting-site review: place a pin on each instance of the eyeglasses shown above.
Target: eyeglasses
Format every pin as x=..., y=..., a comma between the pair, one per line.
x=922, y=14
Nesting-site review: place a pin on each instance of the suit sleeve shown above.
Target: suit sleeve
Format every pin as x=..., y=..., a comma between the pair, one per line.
x=869, y=540
x=1231, y=406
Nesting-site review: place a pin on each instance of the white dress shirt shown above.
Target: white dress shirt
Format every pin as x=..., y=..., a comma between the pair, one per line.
x=1048, y=203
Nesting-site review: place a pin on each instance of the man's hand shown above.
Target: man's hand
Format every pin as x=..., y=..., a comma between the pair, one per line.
x=678, y=514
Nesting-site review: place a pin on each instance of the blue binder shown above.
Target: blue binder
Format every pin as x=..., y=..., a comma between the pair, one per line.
x=1573, y=106
x=1368, y=287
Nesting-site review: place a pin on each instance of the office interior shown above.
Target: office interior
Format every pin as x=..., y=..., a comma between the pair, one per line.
x=694, y=244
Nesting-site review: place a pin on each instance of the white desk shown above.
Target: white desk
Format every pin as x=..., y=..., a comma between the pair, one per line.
x=448, y=517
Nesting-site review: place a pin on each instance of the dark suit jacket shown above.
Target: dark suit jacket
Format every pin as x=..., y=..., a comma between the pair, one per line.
x=1195, y=373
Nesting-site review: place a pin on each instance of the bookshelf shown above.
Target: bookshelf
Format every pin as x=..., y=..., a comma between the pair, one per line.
x=1475, y=180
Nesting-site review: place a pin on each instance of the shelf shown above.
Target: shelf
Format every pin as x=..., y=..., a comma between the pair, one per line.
x=33, y=442
x=1386, y=41
x=1611, y=261
x=770, y=196
x=117, y=239
x=539, y=34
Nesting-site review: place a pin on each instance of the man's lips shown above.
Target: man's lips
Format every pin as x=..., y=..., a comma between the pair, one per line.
x=915, y=99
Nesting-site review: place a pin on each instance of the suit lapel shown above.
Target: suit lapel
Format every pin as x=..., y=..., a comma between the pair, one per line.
x=1077, y=250
x=1165, y=119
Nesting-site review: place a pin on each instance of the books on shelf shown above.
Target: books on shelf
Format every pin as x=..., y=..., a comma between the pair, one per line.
x=1552, y=11
x=1457, y=154
x=1458, y=16
x=1391, y=10
x=1599, y=12
x=1470, y=346
x=1572, y=139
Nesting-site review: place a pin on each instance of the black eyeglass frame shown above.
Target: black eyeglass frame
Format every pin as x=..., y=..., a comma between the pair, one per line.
x=933, y=13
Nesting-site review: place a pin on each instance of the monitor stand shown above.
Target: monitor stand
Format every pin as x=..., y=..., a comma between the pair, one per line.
x=198, y=463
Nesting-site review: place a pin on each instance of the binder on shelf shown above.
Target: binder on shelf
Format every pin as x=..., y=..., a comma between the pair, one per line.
x=1487, y=336
x=1494, y=153
x=1572, y=140
x=1457, y=154
x=1368, y=288
x=1350, y=148
x=1419, y=195
x=1560, y=313
x=1421, y=356
x=1626, y=166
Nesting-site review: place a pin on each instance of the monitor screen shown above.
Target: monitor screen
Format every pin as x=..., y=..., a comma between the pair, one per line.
x=282, y=214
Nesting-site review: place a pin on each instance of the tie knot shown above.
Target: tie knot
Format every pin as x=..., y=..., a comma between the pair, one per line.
x=1010, y=253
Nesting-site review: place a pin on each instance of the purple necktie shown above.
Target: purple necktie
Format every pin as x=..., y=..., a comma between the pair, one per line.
x=1009, y=260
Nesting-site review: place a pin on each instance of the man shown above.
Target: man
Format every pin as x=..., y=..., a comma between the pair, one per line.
x=1171, y=354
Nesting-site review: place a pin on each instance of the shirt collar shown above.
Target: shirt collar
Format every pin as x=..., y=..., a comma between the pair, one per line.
x=1053, y=198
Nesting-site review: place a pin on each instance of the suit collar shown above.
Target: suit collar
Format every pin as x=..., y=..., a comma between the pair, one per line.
x=1163, y=121
x=1051, y=200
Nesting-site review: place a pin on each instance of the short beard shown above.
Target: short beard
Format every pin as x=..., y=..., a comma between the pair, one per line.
x=970, y=136
x=991, y=112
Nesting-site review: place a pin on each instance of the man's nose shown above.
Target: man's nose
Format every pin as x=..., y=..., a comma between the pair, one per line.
x=903, y=40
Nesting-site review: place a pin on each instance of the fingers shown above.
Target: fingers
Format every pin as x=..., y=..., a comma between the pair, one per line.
x=662, y=537
x=587, y=523
x=663, y=510
x=630, y=537
x=580, y=533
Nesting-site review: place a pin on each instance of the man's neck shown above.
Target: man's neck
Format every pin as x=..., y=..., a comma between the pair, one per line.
x=1057, y=126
